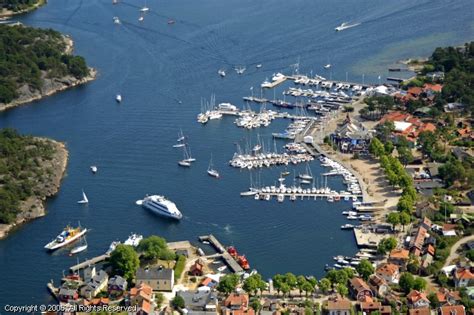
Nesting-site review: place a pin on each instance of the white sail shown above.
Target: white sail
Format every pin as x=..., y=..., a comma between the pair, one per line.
x=84, y=198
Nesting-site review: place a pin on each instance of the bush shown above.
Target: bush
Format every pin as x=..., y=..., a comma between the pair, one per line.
x=179, y=266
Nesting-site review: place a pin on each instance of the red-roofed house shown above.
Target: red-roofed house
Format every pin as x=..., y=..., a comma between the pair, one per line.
x=237, y=304
x=142, y=296
x=452, y=310
x=419, y=311
x=463, y=277
x=389, y=272
x=196, y=269
x=359, y=289
x=339, y=306
x=446, y=296
x=417, y=299
x=369, y=307
x=436, y=88
x=399, y=257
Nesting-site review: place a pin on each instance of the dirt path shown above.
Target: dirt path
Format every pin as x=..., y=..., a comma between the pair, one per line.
x=453, y=253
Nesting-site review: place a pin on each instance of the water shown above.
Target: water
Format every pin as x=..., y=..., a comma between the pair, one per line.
x=154, y=66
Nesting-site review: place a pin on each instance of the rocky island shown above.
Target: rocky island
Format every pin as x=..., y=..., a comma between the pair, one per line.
x=37, y=63
x=31, y=170
x=14, y=7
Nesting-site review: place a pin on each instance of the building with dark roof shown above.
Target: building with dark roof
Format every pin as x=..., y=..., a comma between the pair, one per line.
x=158, y=278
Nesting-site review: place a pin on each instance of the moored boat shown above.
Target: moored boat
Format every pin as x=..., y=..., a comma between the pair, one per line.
x=160, y=205
x=67, y=236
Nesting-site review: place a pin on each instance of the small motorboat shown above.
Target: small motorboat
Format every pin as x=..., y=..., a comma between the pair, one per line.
x=93, y=169
x=220, y=269
x=78, y=249
x=118, y=98
x=327, y=66
x=258, y=66
x=141, y=18
x=170, y=22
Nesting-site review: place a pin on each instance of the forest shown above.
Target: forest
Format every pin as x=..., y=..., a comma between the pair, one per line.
x=21, y=171
x=27, y=55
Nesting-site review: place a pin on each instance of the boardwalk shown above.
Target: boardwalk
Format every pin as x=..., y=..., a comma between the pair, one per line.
x=89, y=262
x=229, y=260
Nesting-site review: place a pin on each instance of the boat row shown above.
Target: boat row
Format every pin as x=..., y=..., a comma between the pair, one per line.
x=247, y=161
x=338, y=169
x=251, y=120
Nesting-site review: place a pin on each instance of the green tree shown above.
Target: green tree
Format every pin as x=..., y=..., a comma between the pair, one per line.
x=405, y=219
x=285, y=288
x=387, y=244
x=365, y=269
x=155, y=247
x=301, y=280
x=228, y=283
x=254, y=283
x=291, y=280
x=394, y=219
x=406, y=282
x=124, y=261
x=376, y=148
x=324, y=285
x=308, y=288
x=342, y=289
x=256, y=305
x=178, y=302
x=278, y=280
x=419, y=284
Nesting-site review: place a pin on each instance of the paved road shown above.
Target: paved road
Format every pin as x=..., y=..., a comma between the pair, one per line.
x=453, y=253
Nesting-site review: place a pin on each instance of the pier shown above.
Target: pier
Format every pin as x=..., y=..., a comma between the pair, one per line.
x=89, y=262
x=367, y=239
x=271, y=85
x=228, y=259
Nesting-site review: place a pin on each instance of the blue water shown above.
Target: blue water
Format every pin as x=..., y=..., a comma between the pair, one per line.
x=154, y=66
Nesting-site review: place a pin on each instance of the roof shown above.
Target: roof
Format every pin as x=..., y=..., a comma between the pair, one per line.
x=415, y=296
x=197, y=299
x=444, y=294
x=370, y=305
x=401, y=126
x=463, y=274
x=452, y=310
x=118, y=281
x=237, y=299
x=433, y=87
x=430, y=250
x=376, y=281
x=143, y=290
x=155, y=273
x=359, y=284
x=387, y=269
x=419, y=311
x=67, y=292
x=339, y=304
x=400, y=253
x=415, y=90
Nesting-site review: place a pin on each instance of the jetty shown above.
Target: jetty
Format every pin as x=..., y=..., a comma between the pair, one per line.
x=228, y=259
x=368, y=239
x=89, y=262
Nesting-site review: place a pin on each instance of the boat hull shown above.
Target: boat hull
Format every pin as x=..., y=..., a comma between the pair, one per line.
x=53, y=245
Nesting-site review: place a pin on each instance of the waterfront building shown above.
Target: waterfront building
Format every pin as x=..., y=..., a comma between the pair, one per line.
x=339, y=306
x=359, y=289
x=97, y=284
x=158, y=278
x=117, y=285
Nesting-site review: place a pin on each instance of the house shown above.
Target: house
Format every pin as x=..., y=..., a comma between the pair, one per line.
x=351, y=137
x=418, y=241
x=359, y=289
x=378, y=285
x=237, y=304
x=369, y=307
x=452, y=310
x=142, y=296
x=435, y=76
x=419, y=311
x=339, y=306
x=417, y=299
x=399, y=257
x=97, y=284
x=463, y=277
x=389, y=272
x=117, y=285
x=196, y=269
x=158, y=278
x=449, y=229
x=199, y=301
x=208, y=282
x=66, y=295
x=97, y=302
x=447, y=296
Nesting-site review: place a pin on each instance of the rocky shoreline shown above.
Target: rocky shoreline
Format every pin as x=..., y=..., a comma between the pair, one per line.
x=4, y=13
x=34, y=206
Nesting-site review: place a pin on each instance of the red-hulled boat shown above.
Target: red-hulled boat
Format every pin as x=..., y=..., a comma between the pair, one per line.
x=232, y=251
x=243, y=262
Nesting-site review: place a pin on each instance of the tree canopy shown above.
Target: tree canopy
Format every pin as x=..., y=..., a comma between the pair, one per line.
x=155, y=247
x=124, y=261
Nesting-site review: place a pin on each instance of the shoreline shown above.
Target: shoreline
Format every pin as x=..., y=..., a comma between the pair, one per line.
x=35, y=206
x=4, y=13
x=38, y=95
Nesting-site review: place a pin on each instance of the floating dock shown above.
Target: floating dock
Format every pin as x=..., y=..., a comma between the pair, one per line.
x=271, y=85
x=229, y=260
x=89, y=262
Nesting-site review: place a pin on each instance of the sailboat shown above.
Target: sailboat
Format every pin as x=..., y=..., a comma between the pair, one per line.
x=186, y=161
x=181, y=136
x=145, y=8
x=79, y=248
x=84, y=198
x=327, y=66
x=118, y=98
x=221, y=72
x=308, y=176
x=211, y=171
x=240, y=69
x=188, y=158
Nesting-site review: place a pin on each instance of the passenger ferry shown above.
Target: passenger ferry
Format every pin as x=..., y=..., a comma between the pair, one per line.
x=162, y=206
